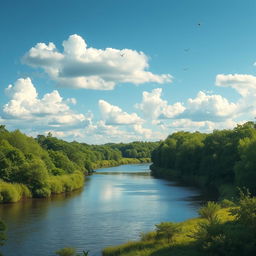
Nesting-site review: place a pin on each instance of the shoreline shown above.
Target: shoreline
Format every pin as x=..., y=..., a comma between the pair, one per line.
x=27, y=194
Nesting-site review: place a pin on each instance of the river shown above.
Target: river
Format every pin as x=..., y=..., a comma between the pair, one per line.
x=115, y=205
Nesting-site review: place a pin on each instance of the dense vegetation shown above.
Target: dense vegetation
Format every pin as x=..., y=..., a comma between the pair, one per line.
x=221, y=160
x=135, y=149
x=46, y=165
x=217, y=232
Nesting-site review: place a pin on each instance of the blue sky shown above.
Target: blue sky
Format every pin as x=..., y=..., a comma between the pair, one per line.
x=119, y=70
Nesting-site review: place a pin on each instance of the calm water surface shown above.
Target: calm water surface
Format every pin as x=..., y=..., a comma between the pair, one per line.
x=115, y=206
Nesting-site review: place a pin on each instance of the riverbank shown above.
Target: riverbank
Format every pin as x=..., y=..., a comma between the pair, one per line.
x=211, y=191
x=183, y=243
x=105, y=212
x=14, y=192
x=122, y=161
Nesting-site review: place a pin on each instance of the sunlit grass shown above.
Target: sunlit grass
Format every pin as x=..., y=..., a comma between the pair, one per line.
x=182, y=243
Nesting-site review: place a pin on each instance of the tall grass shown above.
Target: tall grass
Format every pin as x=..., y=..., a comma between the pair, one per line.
x=65, y=183
x=13, y=192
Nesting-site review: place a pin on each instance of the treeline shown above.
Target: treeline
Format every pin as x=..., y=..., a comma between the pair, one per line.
x=135, y=149
x=221, y=160
x=46, y=165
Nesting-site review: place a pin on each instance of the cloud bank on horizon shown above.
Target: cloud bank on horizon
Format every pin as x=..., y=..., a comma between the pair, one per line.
x=81, y=67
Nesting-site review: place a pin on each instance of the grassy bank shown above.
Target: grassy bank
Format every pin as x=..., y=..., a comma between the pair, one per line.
x=224, y=229
x=14, y=192
x=183, y=243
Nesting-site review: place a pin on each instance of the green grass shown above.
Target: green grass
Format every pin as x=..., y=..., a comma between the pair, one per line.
x=183, y=243
x=13, y=192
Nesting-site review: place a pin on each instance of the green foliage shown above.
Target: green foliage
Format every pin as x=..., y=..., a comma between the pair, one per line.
x=66, y=252
x=245, y=213
x=209, y=211
x=11, y=193
x=245, y=169
x=218, y=161
x=167, y=230
x=137, y=149
x=226, y=236
x=47, y=165
x=65, y=183
x=62, y=162
x=225, y=203
x=149, y=236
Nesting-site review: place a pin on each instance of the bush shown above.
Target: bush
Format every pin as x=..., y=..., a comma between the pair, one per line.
x=209, y=211
x=13, y=192
x=66, y=252
x=148, y=236
x=65, y=183
x=225, y=203
x=245, y=213
x=167, y=230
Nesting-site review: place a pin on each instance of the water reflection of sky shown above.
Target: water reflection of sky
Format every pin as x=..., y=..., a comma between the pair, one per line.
x=111, y=209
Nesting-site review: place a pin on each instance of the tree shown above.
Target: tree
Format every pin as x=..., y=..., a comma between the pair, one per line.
x=167, y=230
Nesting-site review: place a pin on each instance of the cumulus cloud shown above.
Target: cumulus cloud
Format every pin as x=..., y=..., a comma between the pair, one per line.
x=203, y=126
x=147, y=133
x=80, y=66
x=51, y=109
x=153, y=106
x=245, y=85
x=203, y=107
x=209, y=108
x=116, y=116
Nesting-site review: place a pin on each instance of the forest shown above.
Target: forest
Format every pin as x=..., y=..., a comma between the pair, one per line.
x=220, y=161
x=43, y=166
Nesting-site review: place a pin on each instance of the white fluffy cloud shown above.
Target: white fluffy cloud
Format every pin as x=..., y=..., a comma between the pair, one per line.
x=50, y=110
x=153, y=106
x=203, y=126
x=114, y=115
x=245, y=85
x=203, y=107
x=81, y=67
x=209, y=108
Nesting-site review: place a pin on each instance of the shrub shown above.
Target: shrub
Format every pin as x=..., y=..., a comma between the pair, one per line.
x=148, y=236
x=13, y=192
x=225, y=203
x=209, y=211
x=66, y=252
x=167, y=230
